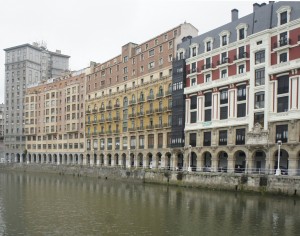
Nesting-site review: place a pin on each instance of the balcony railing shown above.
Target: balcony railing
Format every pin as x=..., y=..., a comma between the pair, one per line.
x=168, y=92
x=132, y=115
x=132, y=102
x=241, y=56
x=158, y=110
x=109, y=119
x=149, y=112
x=150, y=97
x=94, y=110
x=141, y=99
x=140, y=114
x=159, y=95
x=117, y=105
x=87, y=111
x=101, y=109
x=150, y=127
x=207, y=66
x=102, y=120
x=108, y=107
x=131, y=129
x=193, y=70
x=223, y=61
x=116, y=118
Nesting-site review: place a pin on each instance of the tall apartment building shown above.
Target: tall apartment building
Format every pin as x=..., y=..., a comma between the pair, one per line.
x=54, y=120
x=25, y=66
x=129, y=104
x=242, y=92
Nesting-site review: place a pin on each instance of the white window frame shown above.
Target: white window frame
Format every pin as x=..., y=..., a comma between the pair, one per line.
x=224, y=33
x=281, y=10
x=206, y=40
x=241, y=26
x=194, y=45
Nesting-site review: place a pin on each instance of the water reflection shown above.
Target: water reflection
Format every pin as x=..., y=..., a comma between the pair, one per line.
x=35, y=204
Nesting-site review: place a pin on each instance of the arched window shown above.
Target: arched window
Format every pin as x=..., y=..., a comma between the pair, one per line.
x=102, y=105
x=170, y=88
x=141, y=96
x=161, y=90
x=133, y=98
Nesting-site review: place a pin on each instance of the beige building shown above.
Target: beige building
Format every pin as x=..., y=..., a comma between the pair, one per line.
x=129, y=100
x=54, y=120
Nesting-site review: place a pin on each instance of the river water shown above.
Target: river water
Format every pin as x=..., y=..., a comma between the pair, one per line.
x=43, y=204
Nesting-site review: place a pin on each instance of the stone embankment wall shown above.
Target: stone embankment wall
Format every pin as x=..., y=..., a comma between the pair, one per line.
x=283, y=185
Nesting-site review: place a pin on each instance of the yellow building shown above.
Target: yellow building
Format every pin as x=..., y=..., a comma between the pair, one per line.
x=129, y=101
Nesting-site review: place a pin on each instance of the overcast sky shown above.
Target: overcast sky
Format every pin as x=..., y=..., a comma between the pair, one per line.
x=95, y=30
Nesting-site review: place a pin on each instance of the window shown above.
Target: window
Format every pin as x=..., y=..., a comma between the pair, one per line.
x=206, y=138
x=259, y=100
x=283, y=84
x=260, y=77
x=283, y=17
x=151, y=52
x=193, y=67
x=283, y=40
x=282, y=104
x=283, y=57
x=224, y=58
x=150, y=140
x=281, y=133
x=241, y=69
x=207, y=105
x=241, y=110
x=223, y=104
x=208, y=46
x=224, y=96
x=240, y=137
x=241, y=93
x=241, y=52
x=193, y=139
x=241, y=33
x=224, y=73
x=151, y=65
x=193, y=81
x=194, y=52
x=260, y=57
x=170, y=44
x=259, y=118
x=224, y=40
x=193, y=116
x=125, y=59
x=223, y=113
x=207, y=78
x=223, y=137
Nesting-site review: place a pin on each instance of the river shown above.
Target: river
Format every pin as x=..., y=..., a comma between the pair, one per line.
x=45, y=204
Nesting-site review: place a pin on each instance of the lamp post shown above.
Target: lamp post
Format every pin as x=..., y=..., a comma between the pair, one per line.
x=189, y=156
x=278, y=171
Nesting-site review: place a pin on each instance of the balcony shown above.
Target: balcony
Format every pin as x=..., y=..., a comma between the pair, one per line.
x=139, y=114
x=141, y=147
x=141, y=99
x=117, y=105
x=116, y=131
x=141, y=128
x=116, y=118
x=101, y=109
x=94, y=110
x=109, y=119
x=101, y=120
x=150, y=127
x=94, y=122
x=132, y=115
x=160, y=94
x=283, y=43
x=158, y=110
x=168, y=92
x=207, y=66
x=101, y=133
x=108, y=107
x=87, y=111
x=223, y=62
x=159, y=126
x=241, y=56
x=149, y=112
x=132, y=102
x=131, y=129
x=94, y=133
x=88, y=122
x=150, y=97
x=193, y=70
x=167, y=125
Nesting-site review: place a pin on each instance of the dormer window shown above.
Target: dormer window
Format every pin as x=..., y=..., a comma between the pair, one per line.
x=224, y=37
x=194, y=49
x=241, y=31
x=208, y=42
x=283, y=15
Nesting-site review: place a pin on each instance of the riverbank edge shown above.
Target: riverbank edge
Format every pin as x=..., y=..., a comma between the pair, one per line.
x=263, y=184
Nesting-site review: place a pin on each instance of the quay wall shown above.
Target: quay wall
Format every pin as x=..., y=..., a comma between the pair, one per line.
x=265, y=184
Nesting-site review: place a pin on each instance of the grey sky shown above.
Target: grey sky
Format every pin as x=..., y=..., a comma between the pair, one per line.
x=94, y=30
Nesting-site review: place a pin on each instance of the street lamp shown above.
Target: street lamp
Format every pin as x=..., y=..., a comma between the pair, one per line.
x=189, y=155
x=278, y=171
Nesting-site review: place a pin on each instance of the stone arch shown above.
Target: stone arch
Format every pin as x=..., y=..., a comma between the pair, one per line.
x=76, y=160
x=95, y=159
x=29, y=158
x=88, y=159
x=168, y=159
x=158, y=160
x=24, y=157
x=65, y=160
x=18, y=157
x=81, y=159
x=101, y=159
x=49, y=158
x=207, y=161
x=70, y=162
x=34, y=158
x=44, y=159
x=222, y=161
x=116, y=156
x=239, y=161
x=179, y=161
x=193, y=161
x=259, y=161
x=132, y=156
x=140, y=160
x=55, y=158
x=39, y=158
x=149, y=160
x=109, y=161
x=123, y=162
x=60, y=158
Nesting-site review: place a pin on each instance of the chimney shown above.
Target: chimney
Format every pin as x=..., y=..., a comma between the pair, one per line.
x=58, y=51
x=255, y=6
x=234, y=15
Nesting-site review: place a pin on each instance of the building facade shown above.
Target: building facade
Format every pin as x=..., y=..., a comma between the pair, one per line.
x=55, y=120
x=129, y=104
x=242, y=92
x=25, y=66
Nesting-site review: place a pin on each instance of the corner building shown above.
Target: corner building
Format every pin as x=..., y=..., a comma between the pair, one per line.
x=242, y=93
x=54, y=120
x=129, y=104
